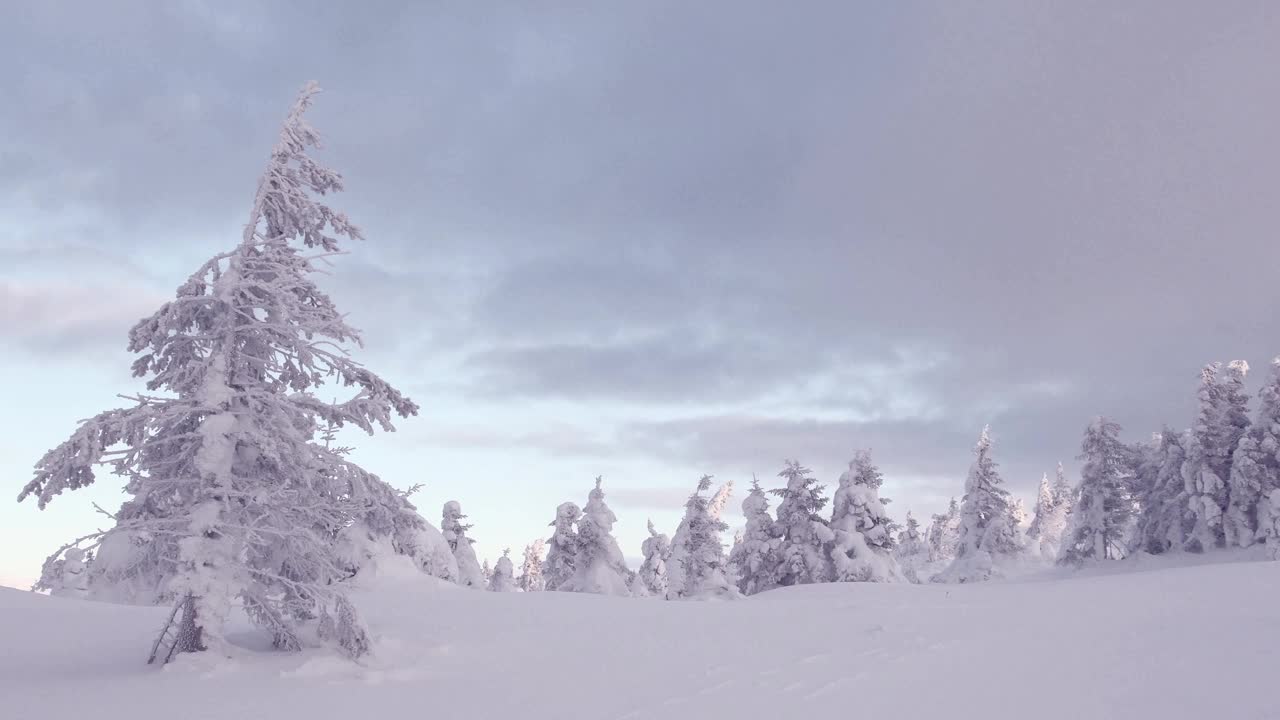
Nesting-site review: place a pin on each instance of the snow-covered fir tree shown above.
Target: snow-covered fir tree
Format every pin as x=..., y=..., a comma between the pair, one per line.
x=1221, y=421
x=503, y=578
x=1252, y=507
x=1165, y=520
x=912, y=550
x=864, y=542
x=1053, y=506
x=531, y=569
x=1043, y=508
x=68, y=575
x=562, y=548
x=486, y=572
x=696, y=565
x=987, y=535
x=599, y=566
x=1018, y=511
x=1103, y=506
x=720, y=500
x=651, y=580
x=470, y=573
x=232, y=502
x=753, y=561
x=803, y=555
x=944, y=534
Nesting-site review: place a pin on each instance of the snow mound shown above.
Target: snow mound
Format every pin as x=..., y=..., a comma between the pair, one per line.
x=1154, y=643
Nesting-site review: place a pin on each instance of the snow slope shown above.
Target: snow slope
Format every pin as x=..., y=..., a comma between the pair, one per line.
x=1188, y=642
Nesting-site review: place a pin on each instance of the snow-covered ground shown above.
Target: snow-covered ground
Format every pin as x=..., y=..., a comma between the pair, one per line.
x=1199, y=641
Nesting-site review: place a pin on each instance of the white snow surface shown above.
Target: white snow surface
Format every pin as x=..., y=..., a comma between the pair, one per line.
x=1149, y=640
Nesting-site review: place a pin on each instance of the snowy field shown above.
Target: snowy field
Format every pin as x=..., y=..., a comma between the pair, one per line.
x=1137, y=642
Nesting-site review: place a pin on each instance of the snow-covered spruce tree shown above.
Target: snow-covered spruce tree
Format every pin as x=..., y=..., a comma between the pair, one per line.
x=486, y=571
x=864, y=542
x=470, y=573
x=1255, y=470
x=944, y=534
x=1222, y=420
x=803, y=555
x=987, y=536
x=696, y=566
x=912, y=550
x=651, y=579
x=599, y=566
x=1103, y=507
x=753, y=561
x=1018, y=512
x=231, y=500
x=1165, y=519
x=720, y=500
x=562, y=548
x=67, y=576
x=1044, y=507
x=503, y=577
x=531, y=570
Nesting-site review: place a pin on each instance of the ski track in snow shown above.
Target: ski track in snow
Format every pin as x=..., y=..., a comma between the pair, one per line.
x=1103, y=645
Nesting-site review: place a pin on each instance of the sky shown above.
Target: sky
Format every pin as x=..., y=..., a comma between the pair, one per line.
x=654, y=240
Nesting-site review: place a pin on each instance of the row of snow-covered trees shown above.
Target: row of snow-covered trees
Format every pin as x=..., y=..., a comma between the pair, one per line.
x=1215, y=485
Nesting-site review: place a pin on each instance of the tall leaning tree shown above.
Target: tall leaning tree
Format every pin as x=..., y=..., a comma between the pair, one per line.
x=233, y=501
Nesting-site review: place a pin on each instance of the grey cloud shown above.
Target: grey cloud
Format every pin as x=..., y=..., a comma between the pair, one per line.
x=1064, y=211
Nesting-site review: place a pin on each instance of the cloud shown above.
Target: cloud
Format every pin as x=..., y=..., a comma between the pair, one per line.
x=64, y=319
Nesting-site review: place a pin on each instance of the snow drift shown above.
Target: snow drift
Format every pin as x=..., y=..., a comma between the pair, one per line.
x=1147, y=644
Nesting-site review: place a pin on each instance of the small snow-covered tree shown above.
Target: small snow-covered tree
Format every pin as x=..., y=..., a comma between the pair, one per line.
x=470, y=573
x=531, y=579
x=1044, y=506
x=67, y=576
x=987, y=536
x=1222, y=420
x=486, y=571
x=912, y=550
x=721, y=499
x=1165, y=520
x=944, y=534
x=803, y=554
x=231, y=499
x=562, y=548
x=1103, y=506
x=1255, y=471
x=651, y=580
x=864, y=542
x=1018, y=512
x=696, y=565
x=599, y=566
x=503, y=578
x=753, y=561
